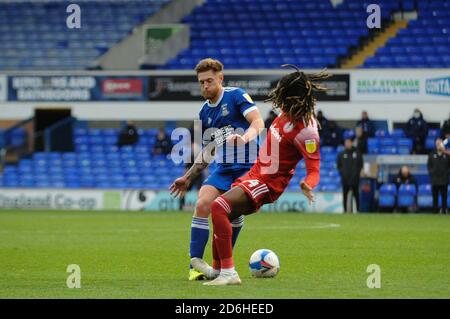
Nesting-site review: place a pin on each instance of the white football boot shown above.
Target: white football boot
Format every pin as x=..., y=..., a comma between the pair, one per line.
x=225, y=279
x=202, y=266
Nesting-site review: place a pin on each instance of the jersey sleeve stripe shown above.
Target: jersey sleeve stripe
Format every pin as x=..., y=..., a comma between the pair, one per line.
x=252, y=108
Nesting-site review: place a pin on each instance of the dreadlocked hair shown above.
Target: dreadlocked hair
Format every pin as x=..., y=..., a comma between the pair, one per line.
x=294, y=94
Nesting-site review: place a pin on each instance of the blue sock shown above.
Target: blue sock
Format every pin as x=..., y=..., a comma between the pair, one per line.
x=199, y=236
x=237, y=226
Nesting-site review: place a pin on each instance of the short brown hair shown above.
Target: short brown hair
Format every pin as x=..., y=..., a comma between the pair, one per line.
x=209, y=64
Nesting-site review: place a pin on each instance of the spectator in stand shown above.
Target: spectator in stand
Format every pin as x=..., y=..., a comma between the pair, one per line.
x=445, y=130
x=360, y=141
x=404, y=177
x=332, y=136
x=417, y=129
x=367, y=125
x=270, y=117
x=163, y=145
x=128, y=135
x=439, y=168
x=323, y=121
x=349, y=165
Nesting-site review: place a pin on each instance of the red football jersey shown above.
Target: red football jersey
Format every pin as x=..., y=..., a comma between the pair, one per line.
x=284, y=147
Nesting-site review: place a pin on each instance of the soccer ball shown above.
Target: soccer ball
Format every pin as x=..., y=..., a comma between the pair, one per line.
x=264, y=263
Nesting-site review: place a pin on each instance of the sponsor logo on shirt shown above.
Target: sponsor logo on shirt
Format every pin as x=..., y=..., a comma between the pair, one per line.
x=275, y=133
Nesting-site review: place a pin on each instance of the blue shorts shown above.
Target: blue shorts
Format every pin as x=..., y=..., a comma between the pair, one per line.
x=222, y=179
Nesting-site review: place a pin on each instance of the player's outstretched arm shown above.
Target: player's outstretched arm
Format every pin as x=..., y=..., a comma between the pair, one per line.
x=312, y=178
x=308, y=144
x=255, y=128
x=181, y=185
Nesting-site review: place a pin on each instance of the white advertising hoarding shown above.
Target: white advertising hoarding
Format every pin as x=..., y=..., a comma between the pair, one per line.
x=400, y=85
x=146, y=200
x=288, y=202
x=59, y=199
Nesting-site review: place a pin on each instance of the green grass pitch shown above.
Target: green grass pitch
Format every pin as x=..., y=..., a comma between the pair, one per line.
x=145, y=255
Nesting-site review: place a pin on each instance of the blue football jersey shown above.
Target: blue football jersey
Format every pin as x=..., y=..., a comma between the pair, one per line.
x=226, y=117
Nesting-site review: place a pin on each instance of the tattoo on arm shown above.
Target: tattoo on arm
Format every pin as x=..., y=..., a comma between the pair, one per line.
x=202, y=161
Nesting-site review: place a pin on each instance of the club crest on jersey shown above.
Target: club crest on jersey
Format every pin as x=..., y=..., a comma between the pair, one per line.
x=225, y=110
x=288, y=127
x=310, y=146
x=209, y=120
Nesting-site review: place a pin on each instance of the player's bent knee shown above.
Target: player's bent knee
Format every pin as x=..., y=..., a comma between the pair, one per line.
x=203, y=208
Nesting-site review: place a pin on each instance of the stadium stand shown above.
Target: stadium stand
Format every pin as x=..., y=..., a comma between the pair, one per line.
x=259, y=34
x=244, y=34
x=98, y=163
x=425, y=43
x=96, y=153
x=33, y=37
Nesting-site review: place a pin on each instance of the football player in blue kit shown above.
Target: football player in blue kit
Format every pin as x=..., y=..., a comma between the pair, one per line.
x=225, y=110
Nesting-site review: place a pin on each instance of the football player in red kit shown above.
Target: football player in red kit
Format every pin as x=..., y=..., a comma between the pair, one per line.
x=292, y=136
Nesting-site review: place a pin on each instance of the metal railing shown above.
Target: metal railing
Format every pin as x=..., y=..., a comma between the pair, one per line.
x=15, y=150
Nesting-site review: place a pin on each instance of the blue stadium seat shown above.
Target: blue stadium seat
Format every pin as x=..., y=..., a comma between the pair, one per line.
x=434, y=132
x=404, y=145
x=327, y=149
x=349, y=134
x=387, y=196
x=381, y=133
x=398, y=132
x=424, y=197
x=331, y=187
x=430, y=142
x=406, y=195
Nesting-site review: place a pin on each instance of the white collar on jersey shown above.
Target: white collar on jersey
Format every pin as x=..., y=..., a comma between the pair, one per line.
x=218, y=101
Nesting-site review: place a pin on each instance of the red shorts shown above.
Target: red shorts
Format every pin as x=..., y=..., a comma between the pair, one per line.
x=255, y=188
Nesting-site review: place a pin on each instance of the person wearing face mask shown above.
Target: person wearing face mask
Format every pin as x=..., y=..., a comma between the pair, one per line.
x=360, y=141
x=417, y=129
x=323, y=121
x=367, y=125
x=332, y=135
x=438, y=169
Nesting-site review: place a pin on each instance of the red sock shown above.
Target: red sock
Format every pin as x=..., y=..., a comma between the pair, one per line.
x=216, y=257
x=220, y=209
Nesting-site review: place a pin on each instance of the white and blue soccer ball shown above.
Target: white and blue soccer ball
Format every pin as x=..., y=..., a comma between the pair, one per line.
x=264, y=263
